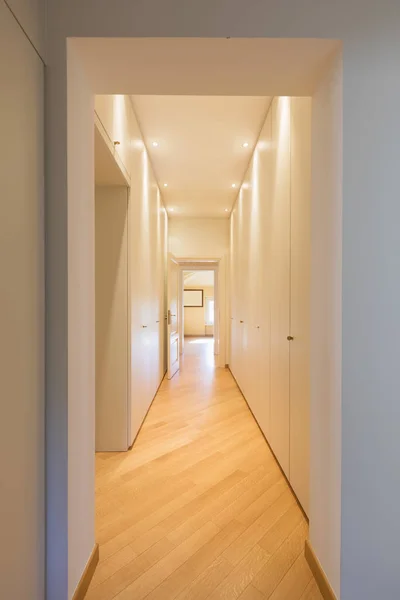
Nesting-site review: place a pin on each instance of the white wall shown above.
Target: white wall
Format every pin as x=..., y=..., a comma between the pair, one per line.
x=22, y=478
x=199, y=238
x=112, y=323
x=371, y=295
x=326, y=320
x=371, y=324
x=195, y=316
x=81, y=324
x=206, y=238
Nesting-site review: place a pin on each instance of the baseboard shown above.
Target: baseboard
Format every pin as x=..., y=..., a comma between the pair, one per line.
x=318, y=572
x=87, y=575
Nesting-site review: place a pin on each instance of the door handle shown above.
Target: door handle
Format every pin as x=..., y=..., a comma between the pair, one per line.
x=241, y=321
x=157, y=321
x=290, y=338
x=169, y=317
x=144, y=326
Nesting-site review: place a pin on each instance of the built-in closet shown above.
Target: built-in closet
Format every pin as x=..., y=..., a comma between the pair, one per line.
x=270, y=286
x=131, y=243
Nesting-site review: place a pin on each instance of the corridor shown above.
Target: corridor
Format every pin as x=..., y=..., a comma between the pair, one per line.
x=198, y=508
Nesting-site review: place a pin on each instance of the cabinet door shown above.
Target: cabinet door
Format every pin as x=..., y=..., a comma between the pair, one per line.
x=262, y=323
x=280, y=280
x=300, y=299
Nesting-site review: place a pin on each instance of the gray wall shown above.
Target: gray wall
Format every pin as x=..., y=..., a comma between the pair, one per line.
x=22, y=477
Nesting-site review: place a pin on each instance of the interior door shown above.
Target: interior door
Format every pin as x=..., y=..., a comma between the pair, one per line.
x=173, y=316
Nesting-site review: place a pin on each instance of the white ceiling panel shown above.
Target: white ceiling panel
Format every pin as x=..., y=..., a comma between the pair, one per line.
x=200, y=152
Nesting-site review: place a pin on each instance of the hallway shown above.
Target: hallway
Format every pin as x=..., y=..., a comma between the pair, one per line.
x=198, y=508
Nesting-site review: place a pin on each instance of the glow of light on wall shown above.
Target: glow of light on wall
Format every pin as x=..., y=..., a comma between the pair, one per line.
x=240, y=205
x=264, y=145
x=137, y=144
x=119, y=116
x=158, y=213
x=284, y=127
x=255, y=172
x=145, y=226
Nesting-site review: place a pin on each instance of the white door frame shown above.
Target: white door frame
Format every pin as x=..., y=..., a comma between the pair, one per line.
x=188, y=264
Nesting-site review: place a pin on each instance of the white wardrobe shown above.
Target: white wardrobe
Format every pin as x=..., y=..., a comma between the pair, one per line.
x=270, y=286
x=131, y=243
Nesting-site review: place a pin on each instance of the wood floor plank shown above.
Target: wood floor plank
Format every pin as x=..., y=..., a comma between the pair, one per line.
x=241, y=576
x=281, y=562
x=252, y=535
x=198, y=509
x=312, y=592
x=295, y=581
x=203, y=585
x=112, y=564
x=251, y=593
x=196, y=564
x=152, y=578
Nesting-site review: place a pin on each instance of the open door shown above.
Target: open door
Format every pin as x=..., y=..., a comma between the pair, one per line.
x=173, y=316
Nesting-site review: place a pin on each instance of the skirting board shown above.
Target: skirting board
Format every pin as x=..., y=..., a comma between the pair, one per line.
x=87, y=575
x=318, y=572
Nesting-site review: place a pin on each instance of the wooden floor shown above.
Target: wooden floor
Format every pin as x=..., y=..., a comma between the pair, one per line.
x=198, y=508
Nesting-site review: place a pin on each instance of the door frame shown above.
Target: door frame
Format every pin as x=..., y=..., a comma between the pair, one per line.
x=200, y=264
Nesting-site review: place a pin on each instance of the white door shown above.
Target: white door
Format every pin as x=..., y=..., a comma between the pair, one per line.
x=173, y=316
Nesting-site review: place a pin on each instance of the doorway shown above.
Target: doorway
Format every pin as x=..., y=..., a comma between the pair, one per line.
x=200, y=305
x=150, y=319
x=198, y=313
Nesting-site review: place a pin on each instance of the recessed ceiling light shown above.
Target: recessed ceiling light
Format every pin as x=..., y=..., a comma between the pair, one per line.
x=165, y=184
x=155, y=144
x=227, y=210
x=233, y=185
x=171, y=209
x=245, y=144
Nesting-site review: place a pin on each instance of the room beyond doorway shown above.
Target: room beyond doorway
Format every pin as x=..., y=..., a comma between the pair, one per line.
x=198, y=304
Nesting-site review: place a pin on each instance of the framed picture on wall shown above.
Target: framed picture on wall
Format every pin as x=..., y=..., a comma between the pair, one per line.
x=192, y=298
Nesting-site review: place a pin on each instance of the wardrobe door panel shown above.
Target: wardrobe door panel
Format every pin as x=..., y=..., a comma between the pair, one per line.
x=280, y=281
x=263, y=177
x=300, y=299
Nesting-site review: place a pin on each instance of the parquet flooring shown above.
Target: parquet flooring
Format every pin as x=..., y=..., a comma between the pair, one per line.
x=198, y=508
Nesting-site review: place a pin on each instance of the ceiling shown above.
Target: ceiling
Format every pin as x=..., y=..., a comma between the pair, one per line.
x=200, y=153
x=198, y=278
